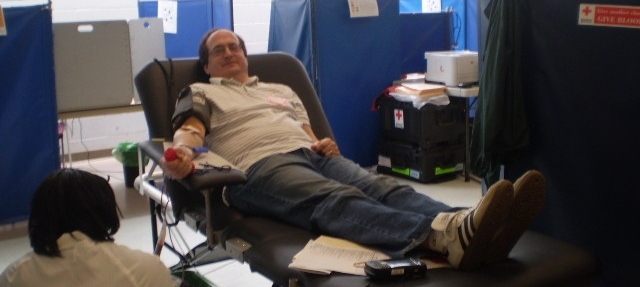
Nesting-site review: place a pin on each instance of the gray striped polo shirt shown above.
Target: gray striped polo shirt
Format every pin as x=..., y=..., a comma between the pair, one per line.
x=253, y=120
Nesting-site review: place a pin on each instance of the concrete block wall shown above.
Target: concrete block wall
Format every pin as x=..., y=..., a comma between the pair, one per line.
x=95, y=135
x=251, y=22
x=93, y=10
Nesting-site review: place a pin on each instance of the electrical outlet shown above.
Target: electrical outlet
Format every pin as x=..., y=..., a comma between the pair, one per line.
x=431, y=6
x=168, y=11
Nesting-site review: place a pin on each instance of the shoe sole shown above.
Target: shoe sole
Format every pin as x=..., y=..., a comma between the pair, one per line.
x=500, y=198
x=529, y=196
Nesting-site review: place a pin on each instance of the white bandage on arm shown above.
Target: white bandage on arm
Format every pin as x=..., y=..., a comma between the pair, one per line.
x=188, y=136
x=193, y=131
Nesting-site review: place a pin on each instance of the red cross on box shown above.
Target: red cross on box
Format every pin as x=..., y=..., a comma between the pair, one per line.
x=398, y=118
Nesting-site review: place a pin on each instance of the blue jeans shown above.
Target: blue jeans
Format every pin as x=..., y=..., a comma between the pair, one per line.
x=336, y=197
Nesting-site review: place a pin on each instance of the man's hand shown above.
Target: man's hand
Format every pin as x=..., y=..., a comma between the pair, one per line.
x=177, y=162
x=326, y=146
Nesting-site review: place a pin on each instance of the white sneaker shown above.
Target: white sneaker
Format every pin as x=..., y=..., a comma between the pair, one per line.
x=529, y=192
x=464, y=236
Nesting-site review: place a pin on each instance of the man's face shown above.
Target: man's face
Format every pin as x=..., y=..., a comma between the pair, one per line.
x=226, y=58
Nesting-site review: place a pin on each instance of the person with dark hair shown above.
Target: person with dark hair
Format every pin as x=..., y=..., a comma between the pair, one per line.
x=264, y=130
x=73, y=218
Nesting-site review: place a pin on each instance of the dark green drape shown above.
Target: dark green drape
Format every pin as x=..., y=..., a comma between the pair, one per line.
x=500, y=131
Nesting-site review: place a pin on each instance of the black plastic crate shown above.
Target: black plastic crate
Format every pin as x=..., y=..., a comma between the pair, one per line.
x=421, y=164
x=431, y=126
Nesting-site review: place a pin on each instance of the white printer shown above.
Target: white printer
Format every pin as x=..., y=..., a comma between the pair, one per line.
x=452, y=68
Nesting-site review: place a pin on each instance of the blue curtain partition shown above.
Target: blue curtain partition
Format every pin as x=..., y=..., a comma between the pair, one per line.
x=352, y=60
x=29, y=145
x=581, y=105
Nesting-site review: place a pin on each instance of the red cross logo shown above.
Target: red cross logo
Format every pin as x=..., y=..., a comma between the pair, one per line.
x=586, y=11
x=399, y=118
x=398, y=115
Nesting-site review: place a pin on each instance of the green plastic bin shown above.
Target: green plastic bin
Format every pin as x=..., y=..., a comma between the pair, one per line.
x=127, y=154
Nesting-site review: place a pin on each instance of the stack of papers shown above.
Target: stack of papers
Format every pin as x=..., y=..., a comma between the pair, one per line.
x=420, y=94
x=329, y=254
x=420, y=89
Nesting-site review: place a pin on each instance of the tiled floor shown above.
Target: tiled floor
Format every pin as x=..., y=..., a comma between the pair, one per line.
x=135, y=230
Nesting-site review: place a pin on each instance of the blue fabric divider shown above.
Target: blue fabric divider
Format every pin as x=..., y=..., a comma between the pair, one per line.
x=582, y=105
x=423, y=32
x=471, y=26
x=28, y=108
x=353, y=60
x=290, y=31
x=223, y=14
x=464, y=19
x=195, y=18
x=353, y=70
x=410, y=6
x=346, y=61
x=458, y=9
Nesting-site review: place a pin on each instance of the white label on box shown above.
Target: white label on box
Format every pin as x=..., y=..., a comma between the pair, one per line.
x=384, y=161
x=398, y=118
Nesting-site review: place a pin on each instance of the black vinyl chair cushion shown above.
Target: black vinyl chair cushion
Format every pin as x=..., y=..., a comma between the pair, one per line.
x=536, y=260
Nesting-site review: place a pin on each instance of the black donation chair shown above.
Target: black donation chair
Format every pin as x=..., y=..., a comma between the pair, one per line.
x=268, y=245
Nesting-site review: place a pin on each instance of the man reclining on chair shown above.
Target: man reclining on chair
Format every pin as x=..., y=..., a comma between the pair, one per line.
x=264, y=130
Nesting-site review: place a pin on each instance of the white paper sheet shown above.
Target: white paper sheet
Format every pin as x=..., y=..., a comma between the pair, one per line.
x=329, y=254
x=363, y=8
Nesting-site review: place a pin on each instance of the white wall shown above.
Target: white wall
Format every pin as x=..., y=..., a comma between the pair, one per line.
x=93, y=10
x=95, y=133
x=251, y=21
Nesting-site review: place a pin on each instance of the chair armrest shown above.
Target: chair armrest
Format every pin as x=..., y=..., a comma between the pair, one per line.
x=214, y=178
x=211, y=184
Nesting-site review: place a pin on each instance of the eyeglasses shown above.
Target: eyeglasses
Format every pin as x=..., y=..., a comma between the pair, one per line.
x=220, y=50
